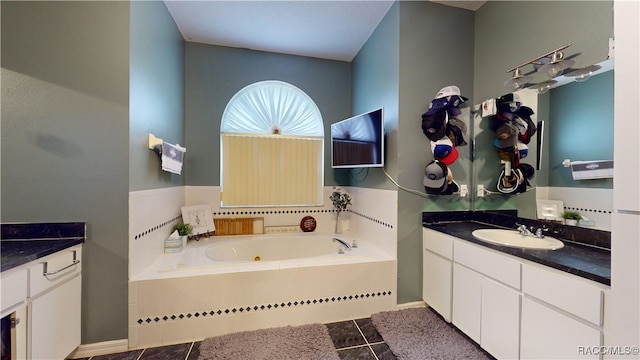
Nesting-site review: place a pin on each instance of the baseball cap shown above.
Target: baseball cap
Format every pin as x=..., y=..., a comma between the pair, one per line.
x=509, y=184
x=441, y=147
x=507, y=135
x=444, y=151
x=523, y=150
x=433, y=125
x=435, y=177
x=457, y=132
x=450, y=90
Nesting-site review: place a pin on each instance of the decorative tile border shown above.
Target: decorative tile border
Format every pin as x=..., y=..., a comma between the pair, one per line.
x=369, y=218
x=264, y=307
x=271, y=212
x=595, y=211
x=157, y=227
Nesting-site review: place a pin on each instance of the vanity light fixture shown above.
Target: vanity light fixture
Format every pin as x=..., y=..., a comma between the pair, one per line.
x=583, y=74
x=543, y=87
x=552, y=63
x=555, y=65
x=518, y=80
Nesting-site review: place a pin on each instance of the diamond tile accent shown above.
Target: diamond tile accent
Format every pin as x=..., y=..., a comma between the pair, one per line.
x=263, y=307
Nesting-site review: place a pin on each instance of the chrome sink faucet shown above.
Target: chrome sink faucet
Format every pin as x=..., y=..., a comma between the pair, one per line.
x=343, y=245
x=523, y=230
x=540, y=233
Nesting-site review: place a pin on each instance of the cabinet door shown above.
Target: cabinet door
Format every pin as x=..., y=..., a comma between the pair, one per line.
x=549, y=334
x=466, y=310
x=55, y=321
x=436, y=286
x=500, y=320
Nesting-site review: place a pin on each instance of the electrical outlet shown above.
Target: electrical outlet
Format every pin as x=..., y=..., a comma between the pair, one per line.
x=464, y=190
x=480, y=191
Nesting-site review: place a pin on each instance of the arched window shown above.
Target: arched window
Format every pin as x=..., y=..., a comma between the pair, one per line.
x=272, y=140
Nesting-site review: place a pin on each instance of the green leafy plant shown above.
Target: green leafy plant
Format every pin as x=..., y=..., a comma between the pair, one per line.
x=571, y=215
x=183, y=229
x=340, y=200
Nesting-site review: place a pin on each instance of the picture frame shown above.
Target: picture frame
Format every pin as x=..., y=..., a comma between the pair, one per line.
x=200, y=218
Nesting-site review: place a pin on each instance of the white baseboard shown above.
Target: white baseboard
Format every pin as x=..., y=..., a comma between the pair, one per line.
x=101, y=348
x=414, y=304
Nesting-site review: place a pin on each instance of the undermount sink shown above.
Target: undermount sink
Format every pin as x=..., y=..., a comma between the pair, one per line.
x=513, y=238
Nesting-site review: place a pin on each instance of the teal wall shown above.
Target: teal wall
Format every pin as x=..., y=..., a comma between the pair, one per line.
x=436, y=50
x=156, y=93
x=376, y=71
x=401, y=67
x=581, y=128
x=509, y=33
x=74, y=129
x=213, y=74
x=65, y=138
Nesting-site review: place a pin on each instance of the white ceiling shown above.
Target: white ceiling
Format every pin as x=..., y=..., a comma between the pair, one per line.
x=325, y=29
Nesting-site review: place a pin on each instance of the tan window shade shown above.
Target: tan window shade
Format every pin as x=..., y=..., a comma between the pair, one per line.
x=271, y=170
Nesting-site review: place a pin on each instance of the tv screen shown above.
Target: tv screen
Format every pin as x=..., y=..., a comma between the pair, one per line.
x=358, y=141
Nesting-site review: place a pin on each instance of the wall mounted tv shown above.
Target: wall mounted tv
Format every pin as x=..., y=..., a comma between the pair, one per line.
x=358, y=141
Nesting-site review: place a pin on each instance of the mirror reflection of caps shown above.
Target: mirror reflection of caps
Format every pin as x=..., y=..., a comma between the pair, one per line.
x=509, y=98
x=523, y=149
x=435, y=177
x=509, y=184
x=507, y=135
x=450, y=90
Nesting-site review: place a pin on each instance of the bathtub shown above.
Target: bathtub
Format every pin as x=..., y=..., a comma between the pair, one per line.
x=239, y=283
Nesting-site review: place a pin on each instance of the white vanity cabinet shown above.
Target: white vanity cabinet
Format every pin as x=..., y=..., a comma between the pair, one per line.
x=45, y=294
x=486, y=298
x=55, y=293
x=512, y=307
x=562, y=315
x=12, y=298
x=437, y=274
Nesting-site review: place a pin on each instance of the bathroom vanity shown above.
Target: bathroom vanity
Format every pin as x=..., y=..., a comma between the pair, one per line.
x=41, y=280
x=514, y=302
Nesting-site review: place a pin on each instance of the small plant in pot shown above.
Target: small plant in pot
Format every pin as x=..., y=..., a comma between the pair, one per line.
x=183, y=229
x=571, y=217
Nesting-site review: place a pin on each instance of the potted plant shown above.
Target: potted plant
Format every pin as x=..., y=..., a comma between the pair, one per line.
x=183, y=229
x=340, y=202
x=571, y=217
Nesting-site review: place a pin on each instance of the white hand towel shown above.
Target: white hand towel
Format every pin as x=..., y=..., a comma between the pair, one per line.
x=172, y=156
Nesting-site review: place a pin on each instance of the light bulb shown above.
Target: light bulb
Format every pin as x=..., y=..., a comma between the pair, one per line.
x=517, y=81
x=583, y=77
x=554, y=70
x=543, y=89
x=515, y=84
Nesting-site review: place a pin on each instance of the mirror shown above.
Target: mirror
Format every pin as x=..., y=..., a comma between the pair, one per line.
x=577, y=120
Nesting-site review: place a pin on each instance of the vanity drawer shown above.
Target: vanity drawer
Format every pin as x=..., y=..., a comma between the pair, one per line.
x=14, y=287
x=438, y=243
x=567, y=292
x=54, y=269
x=490, y=263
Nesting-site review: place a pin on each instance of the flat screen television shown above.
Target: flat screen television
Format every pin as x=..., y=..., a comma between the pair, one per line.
x=358, y=141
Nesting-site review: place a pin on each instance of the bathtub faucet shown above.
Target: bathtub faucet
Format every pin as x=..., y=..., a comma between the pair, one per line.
x=343, y=244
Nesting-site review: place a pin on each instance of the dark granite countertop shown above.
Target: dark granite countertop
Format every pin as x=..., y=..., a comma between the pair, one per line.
x=586, y=252
x=26, y=242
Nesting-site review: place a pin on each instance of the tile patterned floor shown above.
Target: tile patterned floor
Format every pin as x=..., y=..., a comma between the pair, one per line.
x=353, y=339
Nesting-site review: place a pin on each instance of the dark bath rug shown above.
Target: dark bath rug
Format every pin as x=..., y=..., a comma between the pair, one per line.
x=419, y=334
x=306, y=342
